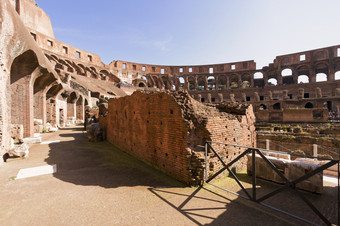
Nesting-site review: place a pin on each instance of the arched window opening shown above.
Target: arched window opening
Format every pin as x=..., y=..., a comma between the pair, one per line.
x=277, y=106
x=321, y=77
x=309, y=105
x=287, y=72
x=272, y=82
x=233, y=85
x=166, y=84
x=200, y=85
x=337, y=75
x=258, y=75
x=245, y=84
x=181, y=82
x=303, y=79
x=191, y=85
x=262, y=107
x=211, y=83
x=222, y=83
x=141, y=84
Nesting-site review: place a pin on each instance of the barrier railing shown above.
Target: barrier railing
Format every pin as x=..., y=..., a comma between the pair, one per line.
x=288, y=184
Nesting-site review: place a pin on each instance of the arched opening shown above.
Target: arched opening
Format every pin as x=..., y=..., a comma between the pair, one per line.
x=141, y=84
x=277, y=106
x=222, y=82
x=21, y=91
x=166, y=83
x=303, y=79
x=201, y=84
x=234, y=81
x=321, y=77
x=337, y=75
x=245, y=84
x=287, y=72
x=262, y=107
x=258, y=75
x=211, y=83
x=309, y=105
x=191, y=82
x=182, y=82
x=80, y=109
x=246, y=80
x=272, y=82
x=71, y=108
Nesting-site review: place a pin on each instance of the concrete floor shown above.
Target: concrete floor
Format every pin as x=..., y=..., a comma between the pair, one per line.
x=97, y=184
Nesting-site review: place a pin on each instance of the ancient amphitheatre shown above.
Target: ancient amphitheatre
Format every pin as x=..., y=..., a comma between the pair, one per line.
x=162, y=115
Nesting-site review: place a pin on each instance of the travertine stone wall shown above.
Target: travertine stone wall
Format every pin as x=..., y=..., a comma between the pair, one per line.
x=166, y=129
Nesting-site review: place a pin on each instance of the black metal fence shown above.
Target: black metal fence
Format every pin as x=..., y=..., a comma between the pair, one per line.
x=288, y=184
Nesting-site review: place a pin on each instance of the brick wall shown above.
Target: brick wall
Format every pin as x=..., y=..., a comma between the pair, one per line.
x=165, y=129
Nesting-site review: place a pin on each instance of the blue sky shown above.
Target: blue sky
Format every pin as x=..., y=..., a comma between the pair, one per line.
x=191, y=32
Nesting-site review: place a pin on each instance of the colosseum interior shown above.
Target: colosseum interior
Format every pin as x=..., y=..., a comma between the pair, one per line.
x=43, y=78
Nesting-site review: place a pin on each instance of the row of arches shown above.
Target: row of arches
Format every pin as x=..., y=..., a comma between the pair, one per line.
x=321, y=72
x=39, y=94
x=81, y=69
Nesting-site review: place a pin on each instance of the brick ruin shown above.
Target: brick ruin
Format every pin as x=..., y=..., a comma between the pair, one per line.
x=47, y=81
x=168, y=129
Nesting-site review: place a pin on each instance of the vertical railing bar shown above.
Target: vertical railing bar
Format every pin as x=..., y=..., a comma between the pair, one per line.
x=206, y=162
x=254, y=174
x=338, y=193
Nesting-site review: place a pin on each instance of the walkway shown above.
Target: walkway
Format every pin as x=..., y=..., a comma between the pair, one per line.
x=96, y=184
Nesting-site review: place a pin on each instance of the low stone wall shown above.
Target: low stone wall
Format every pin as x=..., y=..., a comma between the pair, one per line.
x=166, y=130
x=293, y=115
x=292, y=170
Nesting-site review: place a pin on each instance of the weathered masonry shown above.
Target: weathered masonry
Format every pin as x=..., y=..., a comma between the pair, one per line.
x=167, y=130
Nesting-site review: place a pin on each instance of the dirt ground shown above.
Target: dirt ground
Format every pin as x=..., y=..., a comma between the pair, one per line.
x=97, y=184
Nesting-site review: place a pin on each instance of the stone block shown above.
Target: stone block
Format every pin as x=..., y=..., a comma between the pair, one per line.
x=17, y=132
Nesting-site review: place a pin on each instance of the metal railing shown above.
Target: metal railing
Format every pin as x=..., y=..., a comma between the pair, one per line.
x=288, y=184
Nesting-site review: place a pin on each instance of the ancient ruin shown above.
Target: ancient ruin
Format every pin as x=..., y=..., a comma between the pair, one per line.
x=46, y=84
x=168, y=130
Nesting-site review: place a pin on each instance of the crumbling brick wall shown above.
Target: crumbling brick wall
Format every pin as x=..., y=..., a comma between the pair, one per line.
x=166, y=129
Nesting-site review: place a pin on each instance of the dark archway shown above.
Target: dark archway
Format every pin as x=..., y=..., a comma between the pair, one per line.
x=277, y=106
x=309, y=105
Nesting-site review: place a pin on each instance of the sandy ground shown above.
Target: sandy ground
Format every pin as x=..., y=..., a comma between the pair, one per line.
x=97, y=184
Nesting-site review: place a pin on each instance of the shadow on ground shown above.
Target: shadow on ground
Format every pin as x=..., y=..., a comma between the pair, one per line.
x=85, y=163
x=101, y=164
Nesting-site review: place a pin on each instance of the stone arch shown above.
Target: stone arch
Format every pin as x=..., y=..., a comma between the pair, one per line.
x=80, y=110
x=40, y=83
x=21, y=90
x=321, y=68
x=309, y=105
x=258, y=75
x=234, y=81
x=71, y=107
x=277, y=106
x=222, y=82
x=262, y=107
x=272, y=82
x=321, y=77
x=191, y=83
x=211, y=82
x=337, y=75
x=181, y=81
x=246, y=80
x=303, y=79
x=201, y=83
x=167, y=85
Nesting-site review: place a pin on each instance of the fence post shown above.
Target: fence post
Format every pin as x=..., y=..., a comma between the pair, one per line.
x=315, y=150
x=267, y=144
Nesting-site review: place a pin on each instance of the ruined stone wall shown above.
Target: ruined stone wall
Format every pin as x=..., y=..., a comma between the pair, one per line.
x=165, y=129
